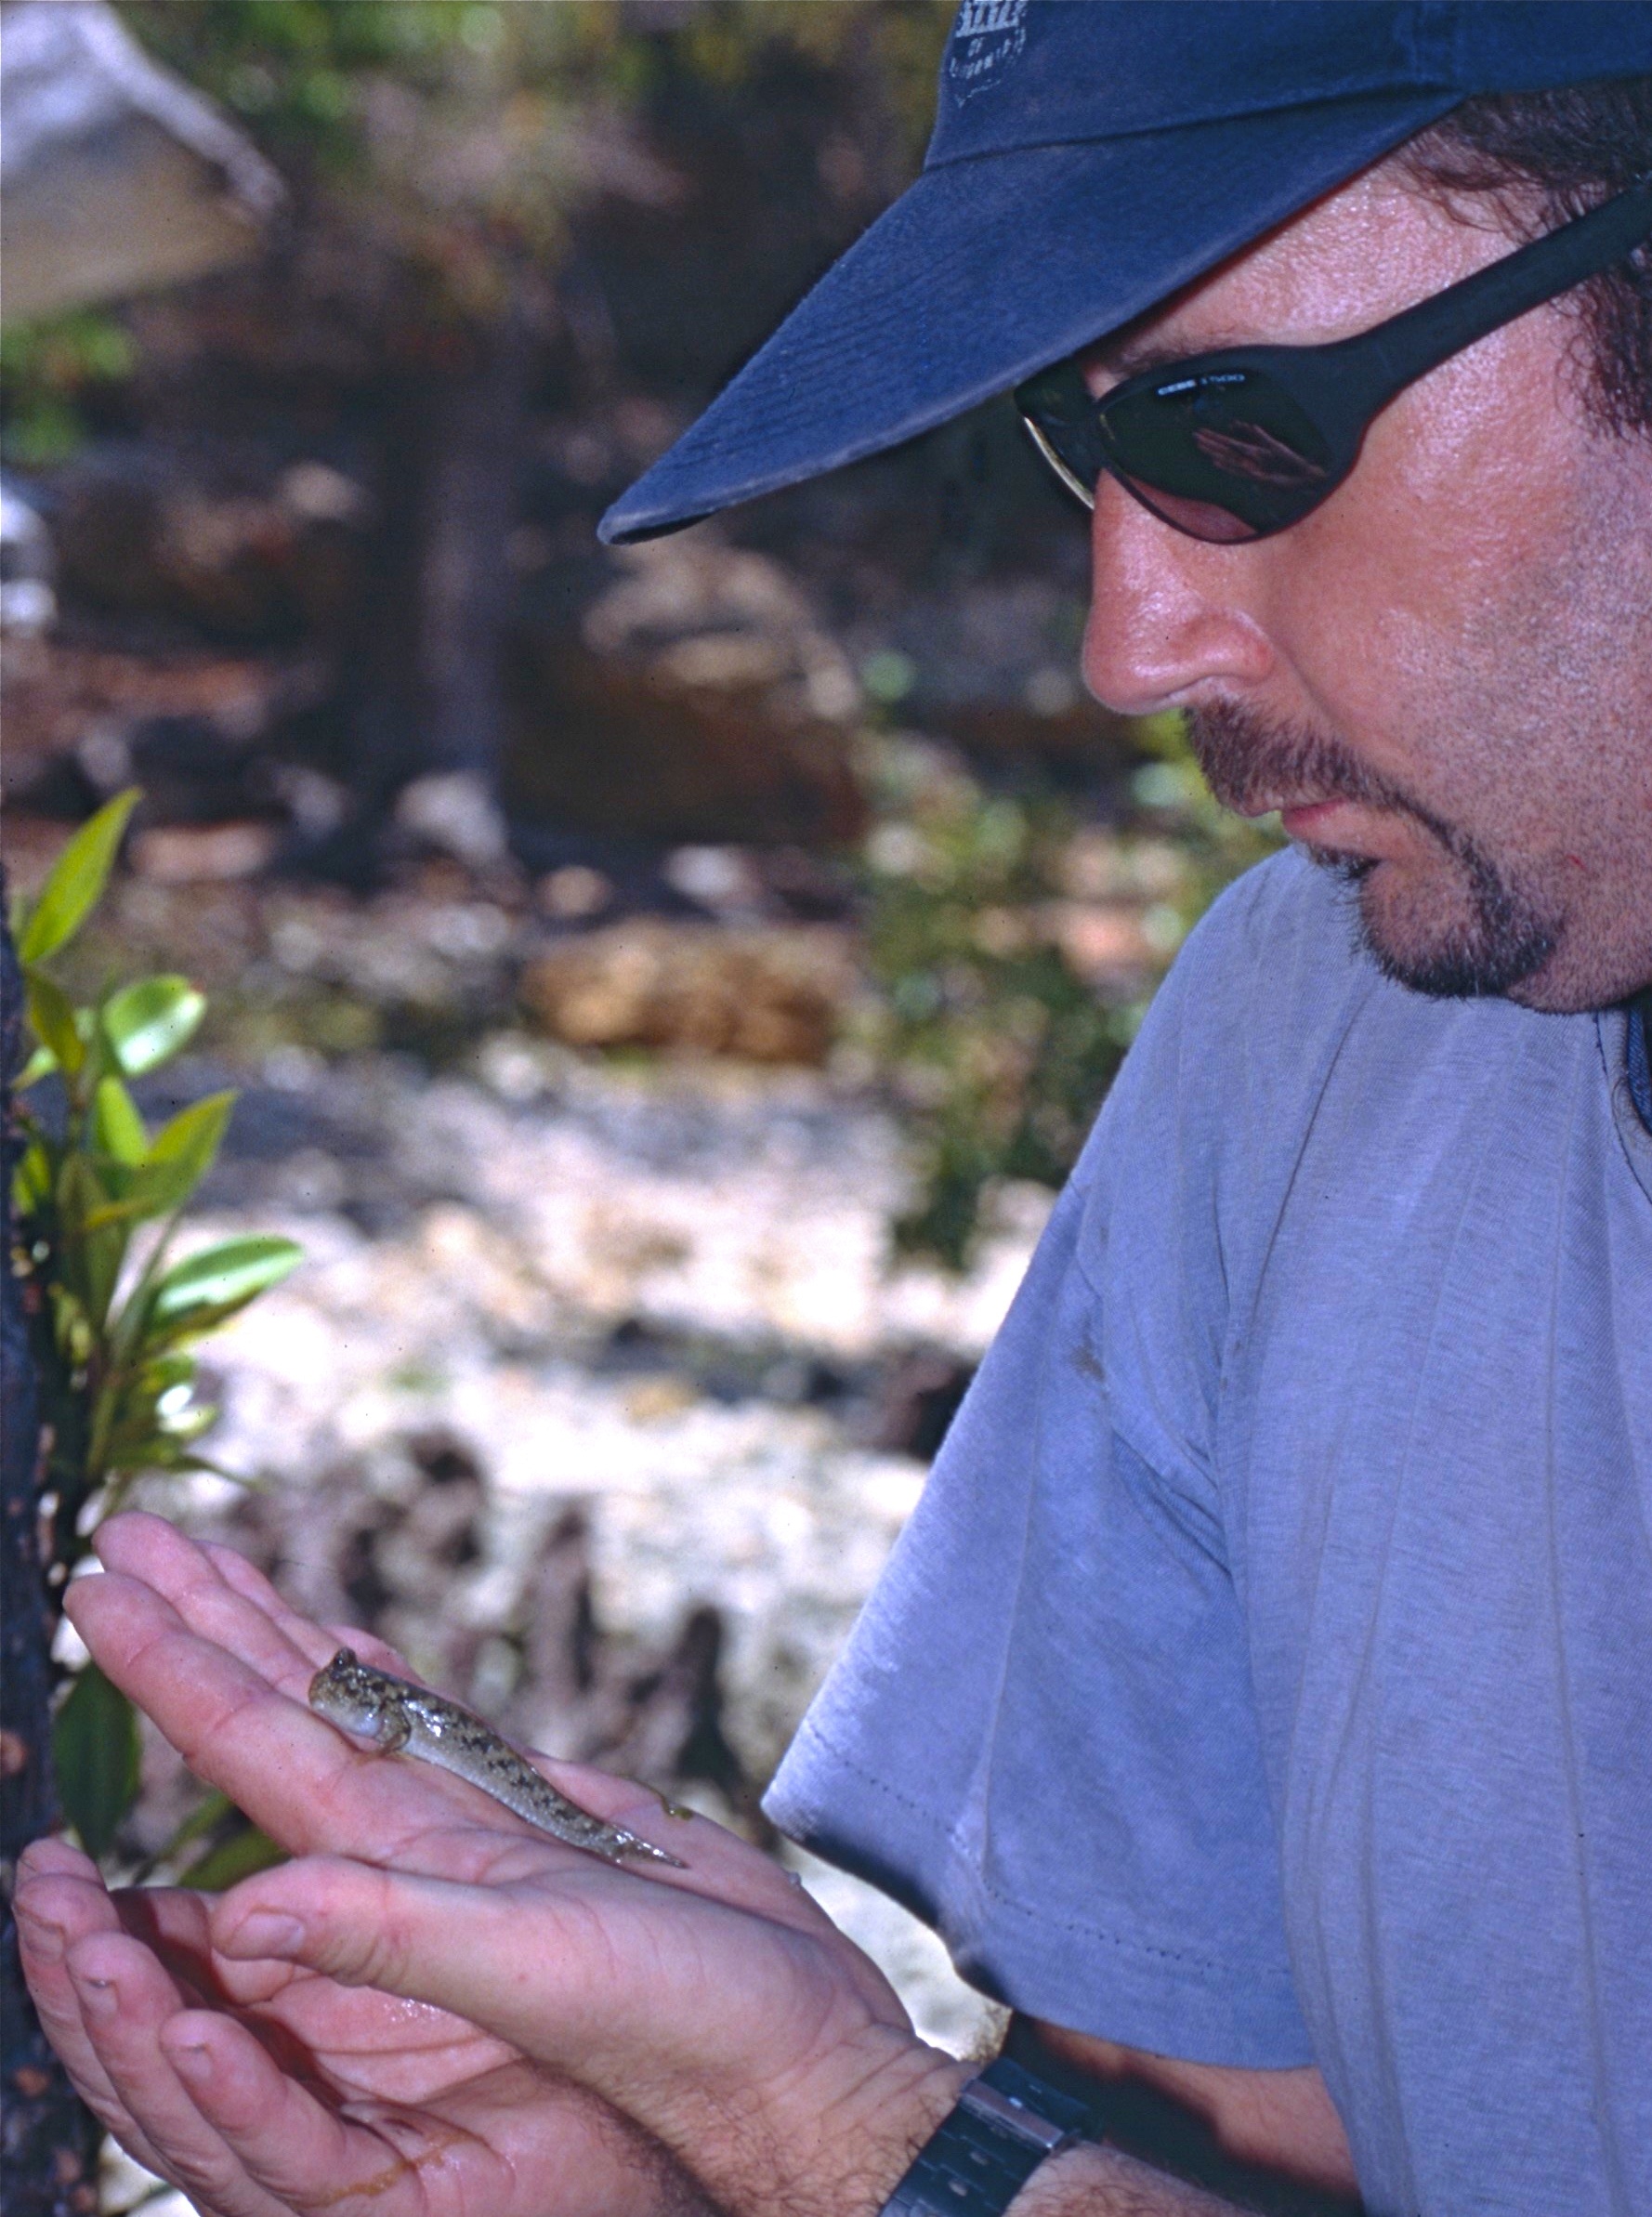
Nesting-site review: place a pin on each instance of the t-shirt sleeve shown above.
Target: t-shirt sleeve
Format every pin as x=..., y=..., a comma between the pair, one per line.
x=1042, y=1734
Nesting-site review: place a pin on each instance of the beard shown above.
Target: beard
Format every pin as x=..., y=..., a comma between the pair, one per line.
x=1486, y=936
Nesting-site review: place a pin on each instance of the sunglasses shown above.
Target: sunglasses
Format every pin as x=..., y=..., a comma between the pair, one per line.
x=1246, y=441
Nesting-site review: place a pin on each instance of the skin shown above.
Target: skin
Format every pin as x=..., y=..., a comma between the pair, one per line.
x=469, y=2009
x=1454, y=651
x=432, y=2010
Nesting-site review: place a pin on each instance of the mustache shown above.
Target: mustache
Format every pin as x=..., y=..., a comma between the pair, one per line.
x=1251, y=762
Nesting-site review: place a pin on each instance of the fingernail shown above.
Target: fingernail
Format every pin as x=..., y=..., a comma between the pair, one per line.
x=192, y=2062
x=266, y=1931
x=98, y=1996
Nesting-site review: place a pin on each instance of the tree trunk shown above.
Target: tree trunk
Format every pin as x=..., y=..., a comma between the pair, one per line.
x=48, y=2142
x=474, y=434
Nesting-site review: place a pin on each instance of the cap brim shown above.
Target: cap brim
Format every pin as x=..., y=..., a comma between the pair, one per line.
x=987, y=269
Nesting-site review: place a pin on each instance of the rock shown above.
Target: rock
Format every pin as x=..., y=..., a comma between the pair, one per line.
x=702, y=613
x=761, y=994
x=187, y=854
x=597, y=747
x=684, y=691
x=455, y=813
x=236, y=553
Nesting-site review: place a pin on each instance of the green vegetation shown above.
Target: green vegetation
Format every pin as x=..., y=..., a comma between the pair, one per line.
x=310, y=78
x=114, y=1321
x=997, y=1040
x=51, y=372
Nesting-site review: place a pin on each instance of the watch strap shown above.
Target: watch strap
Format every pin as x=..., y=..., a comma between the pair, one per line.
x=983, y=2152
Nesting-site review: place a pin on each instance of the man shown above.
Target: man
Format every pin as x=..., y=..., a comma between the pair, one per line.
x=1259, y=1700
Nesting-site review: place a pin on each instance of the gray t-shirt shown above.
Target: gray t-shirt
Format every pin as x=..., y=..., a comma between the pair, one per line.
x=1265, y=1676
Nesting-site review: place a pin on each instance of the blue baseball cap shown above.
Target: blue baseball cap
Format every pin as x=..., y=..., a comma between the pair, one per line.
x=1090, y=157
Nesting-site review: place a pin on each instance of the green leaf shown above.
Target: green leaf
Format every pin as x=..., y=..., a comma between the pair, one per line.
x=207, y=1815
x=116, y=1124
x=52, y=1013
x=166, y=1372
x=78, y=877
x=187, y=1145
x=90, y=1251
x=95, y=1747
x=179, y=1156
x=80, y=1191
x=41, y=1063
x=31, y=1181
x=240, y=1855
x=225, y=1277
x=151, y=1020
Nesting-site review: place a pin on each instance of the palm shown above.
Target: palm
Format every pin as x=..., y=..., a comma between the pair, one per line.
x=411, y=2108
x=404, y=2072
x=417, y=2110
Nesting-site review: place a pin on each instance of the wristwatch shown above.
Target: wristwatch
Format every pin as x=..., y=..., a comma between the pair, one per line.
x=984, y=2151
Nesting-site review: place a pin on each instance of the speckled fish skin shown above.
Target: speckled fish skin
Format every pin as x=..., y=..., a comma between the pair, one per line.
x=370, y=1704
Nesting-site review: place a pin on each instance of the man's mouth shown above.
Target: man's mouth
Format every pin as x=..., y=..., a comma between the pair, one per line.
x=1306, y=819
x=1300, y=815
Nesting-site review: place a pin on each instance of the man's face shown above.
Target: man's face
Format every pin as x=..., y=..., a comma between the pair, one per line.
x=1443, y=676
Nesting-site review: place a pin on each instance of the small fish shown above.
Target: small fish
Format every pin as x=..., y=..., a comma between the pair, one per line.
x=396, y=1716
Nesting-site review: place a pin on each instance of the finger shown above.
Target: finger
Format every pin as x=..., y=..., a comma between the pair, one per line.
x=320, y=1641
x=566, y=1967
x=298, y=2151
x=147, y=1548
x=293, y=1774
x=193, y=1684
x=220, y=1596
x=56, y=1907
x=173, y=1922
x=62, y=1912
x=126, y=2002
x=296, y=1776
x=54, y=1857
x=245, y=1576
x=61, y=1899
x=204, y=1658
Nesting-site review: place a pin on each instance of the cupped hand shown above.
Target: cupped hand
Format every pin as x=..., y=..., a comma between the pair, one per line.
x=263, y=2094
x=438, y=2008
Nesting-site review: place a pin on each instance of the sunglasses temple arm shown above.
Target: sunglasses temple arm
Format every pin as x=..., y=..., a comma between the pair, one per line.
x=1381, y=362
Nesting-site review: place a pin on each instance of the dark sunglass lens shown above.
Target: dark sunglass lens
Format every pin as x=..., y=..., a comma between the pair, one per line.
x=1200, y=519
x=1225, y=454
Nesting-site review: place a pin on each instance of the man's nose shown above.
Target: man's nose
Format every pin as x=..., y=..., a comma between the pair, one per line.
x=1167, y=614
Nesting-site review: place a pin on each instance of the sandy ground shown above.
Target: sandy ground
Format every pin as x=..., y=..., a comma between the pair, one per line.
x=661, y=1302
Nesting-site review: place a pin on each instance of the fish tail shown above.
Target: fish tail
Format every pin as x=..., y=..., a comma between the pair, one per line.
x=631, y=1845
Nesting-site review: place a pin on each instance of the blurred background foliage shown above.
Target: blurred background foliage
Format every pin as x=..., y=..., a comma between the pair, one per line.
x=661, y=990
x=524, y=243
x=52, y=373
x=983, y=914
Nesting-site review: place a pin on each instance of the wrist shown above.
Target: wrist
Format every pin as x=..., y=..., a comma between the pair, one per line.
x=1007, y=2125
x=1089, y=2181
x=868, y=2141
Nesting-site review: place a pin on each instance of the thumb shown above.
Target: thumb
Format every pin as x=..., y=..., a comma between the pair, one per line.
x=365, y=1926
x=555, y=1976
x=592, y=1972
